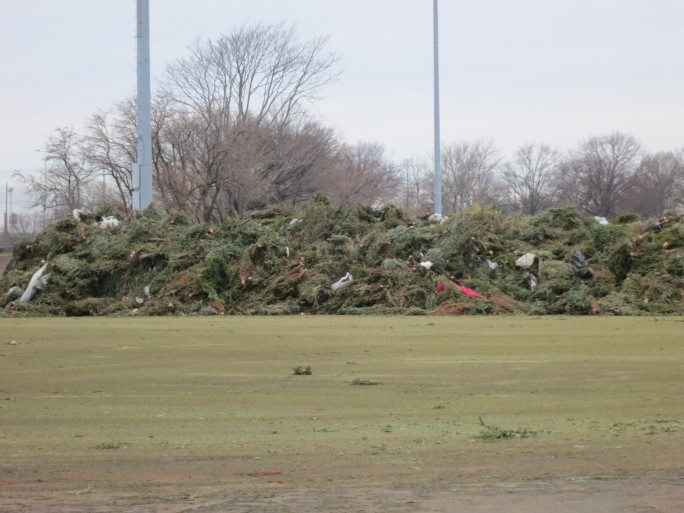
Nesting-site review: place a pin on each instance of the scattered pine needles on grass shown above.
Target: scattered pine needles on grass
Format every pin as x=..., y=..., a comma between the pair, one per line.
x=281, y=262
x=108, y=446
x=364, y=382
x=497, y=433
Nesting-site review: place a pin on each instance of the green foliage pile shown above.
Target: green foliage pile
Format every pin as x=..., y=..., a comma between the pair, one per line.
x=277, y=262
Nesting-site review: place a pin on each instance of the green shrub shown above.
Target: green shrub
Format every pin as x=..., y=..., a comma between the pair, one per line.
x=577, y=301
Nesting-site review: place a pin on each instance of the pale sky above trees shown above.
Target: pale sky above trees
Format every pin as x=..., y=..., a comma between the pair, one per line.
x=530, y=71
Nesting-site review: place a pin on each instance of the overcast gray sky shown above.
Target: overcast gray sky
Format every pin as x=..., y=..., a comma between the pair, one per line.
x=554, y=71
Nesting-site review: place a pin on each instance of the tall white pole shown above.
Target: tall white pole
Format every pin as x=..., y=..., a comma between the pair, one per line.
x=6, y=194
x=438, y=153
x=45, y=192
x=142, y=170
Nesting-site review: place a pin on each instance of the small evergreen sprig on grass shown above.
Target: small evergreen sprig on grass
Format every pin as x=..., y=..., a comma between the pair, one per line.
x=108, y=446
x=497, y=433
x=365, y=382
x=302, y=370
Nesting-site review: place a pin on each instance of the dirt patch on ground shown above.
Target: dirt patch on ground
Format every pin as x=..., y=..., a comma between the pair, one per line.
x=494, y=485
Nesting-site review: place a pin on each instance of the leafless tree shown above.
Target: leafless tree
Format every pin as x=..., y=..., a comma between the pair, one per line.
x=63, y=186
x=416, y=190
x=293, y=162
x=600, y=172
x=110, y=148
x=176, y=164
x=469, y=174
x=528, y=177
x=26, y=224
x=661, y=184
x=234, y=99
x=362, y=174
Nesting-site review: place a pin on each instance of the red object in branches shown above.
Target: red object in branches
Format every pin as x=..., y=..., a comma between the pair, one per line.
x=184, y=279
x=470, y=292
x=441, y=287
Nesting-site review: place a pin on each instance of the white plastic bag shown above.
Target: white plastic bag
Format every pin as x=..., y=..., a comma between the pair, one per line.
x=437, y=218
x=37, y=282
x=533, y=282
x=343, y=282
x=526, y=261
x=109, y=222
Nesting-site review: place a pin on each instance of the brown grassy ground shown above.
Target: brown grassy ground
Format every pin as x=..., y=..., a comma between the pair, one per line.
x=205, y=414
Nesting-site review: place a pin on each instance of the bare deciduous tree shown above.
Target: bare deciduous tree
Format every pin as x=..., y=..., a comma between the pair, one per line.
x=294, y=160
x=362, y=174
x=110, y=147
x=63, y=186
x=600, y=172
x=528, y=177
x=27, y=224
x=416, y=190
x=236, y=98
x=468, y=171
x=661, y=184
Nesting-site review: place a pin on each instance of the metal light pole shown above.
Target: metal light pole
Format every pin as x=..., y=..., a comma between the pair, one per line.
x=11, y=211
x=6, y=203
x=45, y=191
x=438, y=155
x=142, y=169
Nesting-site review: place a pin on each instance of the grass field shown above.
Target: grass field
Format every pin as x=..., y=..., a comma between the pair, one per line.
x=163, y=413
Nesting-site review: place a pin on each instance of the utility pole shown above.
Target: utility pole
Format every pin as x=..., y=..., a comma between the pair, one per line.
x=142, y=169
x=45, y=194
x=12, y=217
x=6, y=232
x=9, y=218
x=438, y=144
